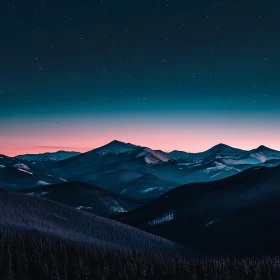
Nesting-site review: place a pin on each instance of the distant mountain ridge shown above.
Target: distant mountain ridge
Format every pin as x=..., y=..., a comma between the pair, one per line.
x=219, y=150
x=144, y=173
x=119, y=147
x=55, y=156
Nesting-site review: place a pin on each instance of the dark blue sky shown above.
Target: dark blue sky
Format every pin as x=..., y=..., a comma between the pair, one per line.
x=134, y=63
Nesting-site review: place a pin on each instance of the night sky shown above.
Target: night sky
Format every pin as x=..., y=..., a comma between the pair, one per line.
x=182, y=75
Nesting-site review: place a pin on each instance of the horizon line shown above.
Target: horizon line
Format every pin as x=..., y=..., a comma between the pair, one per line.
x=85, y=150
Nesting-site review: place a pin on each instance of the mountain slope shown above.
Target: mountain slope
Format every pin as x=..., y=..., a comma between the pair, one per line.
x=230, y=216
x=38, y=217
x=115, y=165
x=262, y=156
x=16, y=174
x=20, y=176
x=85, y=197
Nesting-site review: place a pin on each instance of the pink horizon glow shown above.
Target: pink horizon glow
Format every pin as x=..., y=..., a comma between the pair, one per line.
x=81, y=138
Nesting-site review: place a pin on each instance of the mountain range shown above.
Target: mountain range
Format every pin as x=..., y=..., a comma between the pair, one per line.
x=133, y=171
x=126, y=204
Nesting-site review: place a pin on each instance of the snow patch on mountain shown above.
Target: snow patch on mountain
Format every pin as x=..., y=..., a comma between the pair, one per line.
x=37, y=194
x=220, y=166
x=166, y=188
x=124, y=190
x=113, y=205
x=153, y=157
x=25, y=171
x=253, y=158
x=235, y=161
x=84, y=208
x=62, y=179
x=42, y=183
x=164, y=219
x=117, y=208
x=21, y=166
x=151, y=160
x=211, y=222
x=259, y=157
x=216, y=175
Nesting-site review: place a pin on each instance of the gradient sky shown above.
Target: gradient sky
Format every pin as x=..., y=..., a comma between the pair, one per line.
x=181, y=75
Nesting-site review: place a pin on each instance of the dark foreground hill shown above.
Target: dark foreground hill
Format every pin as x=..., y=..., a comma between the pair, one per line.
x=40, y=239
x=238, y=215
x=23, y=215
x=86, y=197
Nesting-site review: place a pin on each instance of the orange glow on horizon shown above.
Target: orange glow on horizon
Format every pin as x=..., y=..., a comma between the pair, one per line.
x=83, y=139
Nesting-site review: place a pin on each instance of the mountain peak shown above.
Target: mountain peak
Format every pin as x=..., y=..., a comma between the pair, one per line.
x=119, y=143
x=116, y=147
x=221, y=147
x=116, y=142
x=262, y=147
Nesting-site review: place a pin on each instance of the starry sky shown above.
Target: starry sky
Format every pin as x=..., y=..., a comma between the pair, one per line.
x=177, y=74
